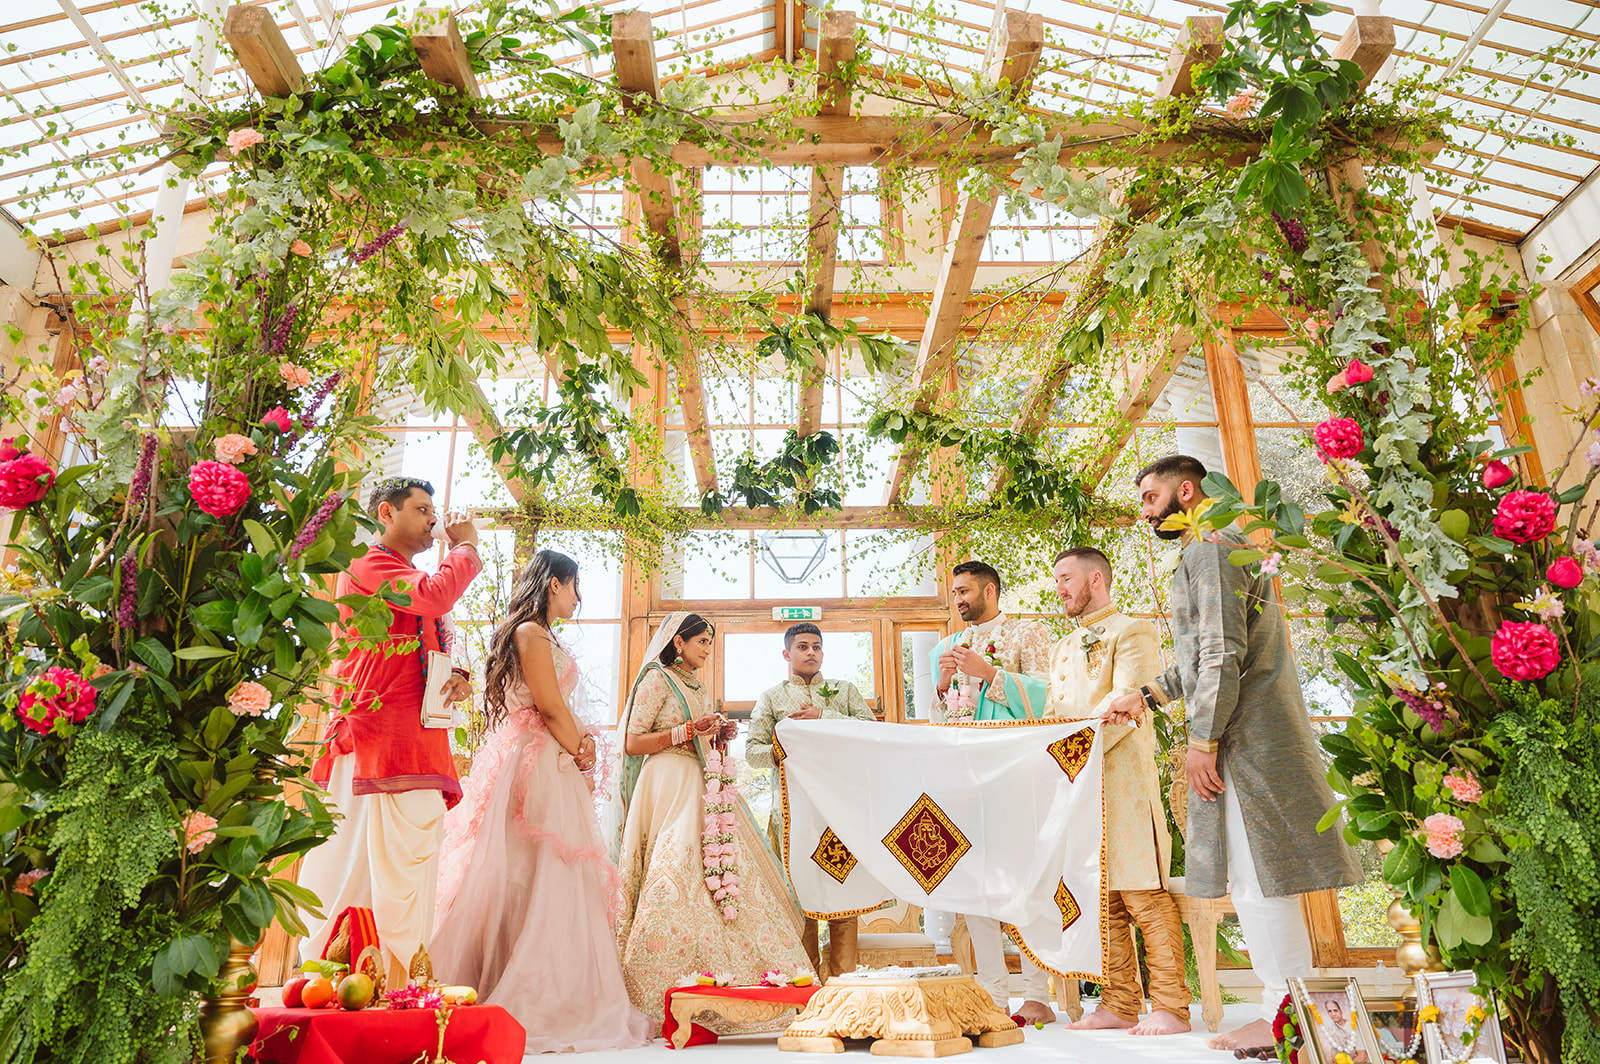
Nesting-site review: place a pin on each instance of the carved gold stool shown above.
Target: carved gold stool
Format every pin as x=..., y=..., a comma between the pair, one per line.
x=926, y=1012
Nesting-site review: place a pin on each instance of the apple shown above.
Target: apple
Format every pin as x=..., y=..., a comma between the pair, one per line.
x=291, y=992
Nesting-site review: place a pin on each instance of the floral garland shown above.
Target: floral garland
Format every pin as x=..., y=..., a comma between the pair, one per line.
x=1285, y=1032
x=959, y=703
x=719, y=841
x=1475, y=1018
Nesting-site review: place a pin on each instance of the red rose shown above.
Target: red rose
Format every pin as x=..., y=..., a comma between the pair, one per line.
x=1357, y=372
x=1525, y=516
x=1524, y=650
x=1565, y=572
x=1496, y=473
x=24, y=481
x=276, y=419
x=1281, y=1018
x=218, y=488
x=8, y=449
x=1338, y=437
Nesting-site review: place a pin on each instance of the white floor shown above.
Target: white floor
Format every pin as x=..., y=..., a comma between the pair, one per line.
x=1054, y=1044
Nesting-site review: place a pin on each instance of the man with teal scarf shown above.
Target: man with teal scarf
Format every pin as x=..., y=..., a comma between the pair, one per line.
x=996, y=667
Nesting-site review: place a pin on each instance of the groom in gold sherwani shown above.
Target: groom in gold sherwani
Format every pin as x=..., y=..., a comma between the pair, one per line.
x=1108, y=654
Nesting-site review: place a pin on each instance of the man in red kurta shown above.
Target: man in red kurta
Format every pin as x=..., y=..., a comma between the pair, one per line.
x=391, y=777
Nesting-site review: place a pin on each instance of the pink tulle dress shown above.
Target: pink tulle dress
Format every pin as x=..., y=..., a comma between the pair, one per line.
x=528, y=899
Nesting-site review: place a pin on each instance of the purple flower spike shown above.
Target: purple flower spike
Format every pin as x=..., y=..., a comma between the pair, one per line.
x=1294, y=234
x=308, y=420
x=128, y=571
x=313, y=528
x=143, y=473
x=1431, y=710
x=378, y=243
x=280, y=335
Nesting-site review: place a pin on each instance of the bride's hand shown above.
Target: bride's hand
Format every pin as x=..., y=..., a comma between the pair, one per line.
x=702, y=725
x=585, y=757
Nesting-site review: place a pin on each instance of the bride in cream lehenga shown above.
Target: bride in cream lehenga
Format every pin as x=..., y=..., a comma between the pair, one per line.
x=678, y=918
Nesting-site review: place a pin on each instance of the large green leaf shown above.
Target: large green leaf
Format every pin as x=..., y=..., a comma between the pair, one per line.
x=150, y=651
x=1469, y=889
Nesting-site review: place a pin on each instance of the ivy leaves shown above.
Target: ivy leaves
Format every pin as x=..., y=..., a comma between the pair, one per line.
x=784, y=480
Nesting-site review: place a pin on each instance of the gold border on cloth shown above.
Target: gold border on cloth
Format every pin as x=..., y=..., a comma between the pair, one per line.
x=788, y=848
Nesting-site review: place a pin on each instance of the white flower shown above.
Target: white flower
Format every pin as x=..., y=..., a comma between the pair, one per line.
x=1167, y=564
x=1592, y=455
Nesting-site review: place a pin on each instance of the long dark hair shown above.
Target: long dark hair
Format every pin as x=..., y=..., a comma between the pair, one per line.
x=530, y=601
x=692, y=626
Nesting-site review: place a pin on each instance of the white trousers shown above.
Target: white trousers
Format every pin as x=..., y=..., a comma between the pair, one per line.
x=1274, y=928
x=383, y=856
x=989, y=953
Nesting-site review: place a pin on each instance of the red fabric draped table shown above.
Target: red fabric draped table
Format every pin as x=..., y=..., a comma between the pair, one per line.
x=386, y=1036
x=740, y=1004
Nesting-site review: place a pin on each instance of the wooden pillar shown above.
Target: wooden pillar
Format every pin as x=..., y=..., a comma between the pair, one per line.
x=1230, y=395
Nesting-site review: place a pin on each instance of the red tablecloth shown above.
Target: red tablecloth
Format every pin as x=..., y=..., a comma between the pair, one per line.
x=790, y=995
x=386, y=1036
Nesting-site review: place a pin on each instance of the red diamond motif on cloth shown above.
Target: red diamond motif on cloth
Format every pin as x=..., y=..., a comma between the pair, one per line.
x=1068, y=906
x=927, y=843
x=833, y=856
x=1072, y=752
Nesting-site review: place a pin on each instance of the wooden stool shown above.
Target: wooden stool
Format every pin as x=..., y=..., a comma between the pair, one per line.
x=934, y=1015
x=894, y=937
x=1201, y=915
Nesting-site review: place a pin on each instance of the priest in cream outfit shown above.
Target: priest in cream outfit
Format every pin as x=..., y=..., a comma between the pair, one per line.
x=805, y=695
x=1108, y=654
x=993, y=669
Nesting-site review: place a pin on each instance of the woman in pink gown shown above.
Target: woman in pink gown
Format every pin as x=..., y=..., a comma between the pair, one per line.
x=528, y=899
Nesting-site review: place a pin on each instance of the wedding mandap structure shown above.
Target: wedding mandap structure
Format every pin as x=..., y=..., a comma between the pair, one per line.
x=775, y=312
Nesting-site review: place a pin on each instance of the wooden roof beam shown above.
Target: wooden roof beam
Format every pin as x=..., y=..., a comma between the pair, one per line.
x=486, y=428
x=1016, y=58
x=1368, y=43
x=266, y=57
x=442, y=52
x=835, y=58
x=1144, y=387
x=634, y=48
x=1199, y=43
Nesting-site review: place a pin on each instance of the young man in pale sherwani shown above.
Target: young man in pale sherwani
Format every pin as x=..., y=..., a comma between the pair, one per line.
x=993, y=669
x=1108, y=654
x=805, y=695
x=1250, y=745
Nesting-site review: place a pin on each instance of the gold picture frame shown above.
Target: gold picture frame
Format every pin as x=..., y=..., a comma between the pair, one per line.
x=1454, y=994
x=1324, y=1009
x=1395, y=1027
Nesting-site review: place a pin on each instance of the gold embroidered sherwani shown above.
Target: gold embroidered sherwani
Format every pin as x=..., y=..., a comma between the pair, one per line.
x=1106, y=655
x=1021, y=653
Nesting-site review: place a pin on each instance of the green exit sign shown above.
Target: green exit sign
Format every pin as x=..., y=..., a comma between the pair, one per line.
x=797, y=613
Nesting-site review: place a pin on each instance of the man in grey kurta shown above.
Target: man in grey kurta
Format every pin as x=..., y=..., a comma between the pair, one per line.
x=1250, y=744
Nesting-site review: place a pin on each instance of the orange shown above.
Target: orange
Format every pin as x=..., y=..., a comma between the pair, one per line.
x=316, y=993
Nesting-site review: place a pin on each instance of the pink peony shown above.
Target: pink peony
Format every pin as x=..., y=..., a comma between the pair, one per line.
x=301, y=248
x=249, y=699
x=199, y=831
x=1565, y=572
x=56, y=692
x=234, y=448
x=276, y=419
x=1464, y=786
x=24, y=480
x=218, y=488
x=1357, y=372
x=1444, y=835
x=294, y=375
x=1525, y=516
x=240, y=139
x=1524, y=650
x=25, y=882
x=1338, y=382
x=1496, y=473
x=1338, y=437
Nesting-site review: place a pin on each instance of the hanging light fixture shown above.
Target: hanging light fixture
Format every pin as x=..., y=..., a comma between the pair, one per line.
x=794, y=554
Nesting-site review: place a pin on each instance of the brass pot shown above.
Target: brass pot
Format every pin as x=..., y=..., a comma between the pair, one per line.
x=1411, y=955
x=226, y=1023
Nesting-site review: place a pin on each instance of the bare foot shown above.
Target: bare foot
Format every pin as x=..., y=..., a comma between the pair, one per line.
x=1253, y=1035
x=1161, y=1022
x=1101, y=1020
x=1036, y=1012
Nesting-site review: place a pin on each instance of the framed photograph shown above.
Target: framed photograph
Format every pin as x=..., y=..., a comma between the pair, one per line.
x=1333, y=1022
x=1394, y=1025
x=1466, y=1027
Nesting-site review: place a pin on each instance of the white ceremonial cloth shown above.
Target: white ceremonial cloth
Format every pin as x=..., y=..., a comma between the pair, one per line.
x=985, y=818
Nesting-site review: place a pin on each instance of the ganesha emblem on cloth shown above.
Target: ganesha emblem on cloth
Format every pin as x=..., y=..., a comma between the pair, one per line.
x=927, y=843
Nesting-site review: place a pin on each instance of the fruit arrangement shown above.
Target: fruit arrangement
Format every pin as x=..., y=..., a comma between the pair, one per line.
x=330, y=984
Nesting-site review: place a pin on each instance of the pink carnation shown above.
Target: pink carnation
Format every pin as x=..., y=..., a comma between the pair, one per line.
x=240, y=139
x=1525, y=516
x=277, y=419
x=25, y=881
x=725, y=821
x=1338, y=437
x=1444, y=835
x=294, y=375
x=249, y=699
x=234, y=448
x=199, y=831
x=56, y=692
x=24, y=481
x=1464, y=786
x=218, y=488
x=719, y=894
x=730, y=912
x=1524, y=650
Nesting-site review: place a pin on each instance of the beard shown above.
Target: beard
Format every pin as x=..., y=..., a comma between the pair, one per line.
x=1173, y=507
x=1076, y=605
x=963, y=608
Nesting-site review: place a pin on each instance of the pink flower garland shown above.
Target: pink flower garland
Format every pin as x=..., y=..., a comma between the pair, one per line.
x=719, y=840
